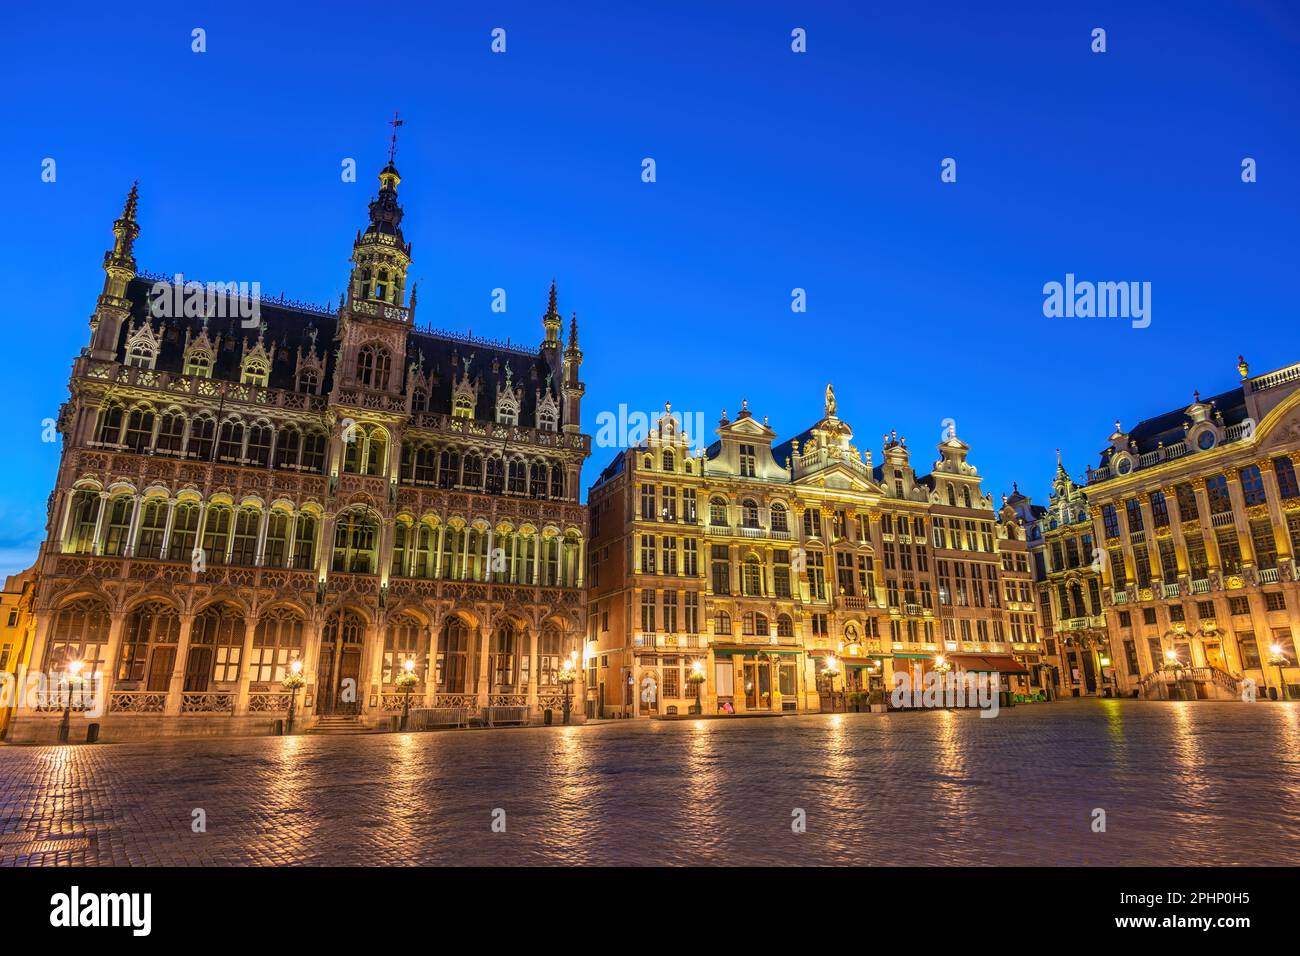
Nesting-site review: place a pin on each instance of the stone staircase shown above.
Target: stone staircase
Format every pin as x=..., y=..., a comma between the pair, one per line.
x=339, y=724
x=1190, y=683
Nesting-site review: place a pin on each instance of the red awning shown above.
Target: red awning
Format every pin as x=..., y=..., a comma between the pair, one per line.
x=1002, y=663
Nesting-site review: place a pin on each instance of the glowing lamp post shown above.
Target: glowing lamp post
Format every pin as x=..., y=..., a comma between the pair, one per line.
x=407, y=680
x=74, y=676
x=292, y=682
x=831, y=669
x=568, y=674
x=696, y=677
x=1279, y=660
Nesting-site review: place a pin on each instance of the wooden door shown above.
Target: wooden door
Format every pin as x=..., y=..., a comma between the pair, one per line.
x=160, y=668
x=198, y=669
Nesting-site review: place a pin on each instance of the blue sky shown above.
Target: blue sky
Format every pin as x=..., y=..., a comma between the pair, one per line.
x=775, y=170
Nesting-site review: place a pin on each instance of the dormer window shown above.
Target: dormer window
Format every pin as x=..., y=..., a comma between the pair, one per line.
x=253, y=373
x=141, y=356
x=546, y=420
x=308, y=380
x=199, y=364
x=463, y=408
x=507, y=414
x=747, y=461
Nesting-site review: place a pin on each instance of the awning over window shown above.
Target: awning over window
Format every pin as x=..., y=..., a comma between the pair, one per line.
x=723, y=650
x=1002, y=663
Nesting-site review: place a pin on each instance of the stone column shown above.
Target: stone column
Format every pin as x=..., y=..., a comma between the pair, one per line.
x=533, y=674
x=133, y=527
x=116, y=623
x=167, y=530
x=1151, y=541
x=1180, y=543
x=176, y=688
x=292, y=544
x=485, y=637
x=260, y=552
x=245, y=667
x=1207, y=525
x=98, y=546
x=1239, y=521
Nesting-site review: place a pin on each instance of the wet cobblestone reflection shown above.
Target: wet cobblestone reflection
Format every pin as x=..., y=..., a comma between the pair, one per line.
x=1201, y=783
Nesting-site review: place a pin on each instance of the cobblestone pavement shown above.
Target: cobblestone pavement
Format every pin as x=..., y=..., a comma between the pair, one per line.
x=1195, y=783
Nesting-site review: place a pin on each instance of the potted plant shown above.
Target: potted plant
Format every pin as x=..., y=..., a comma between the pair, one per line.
x=877, y=701
x=855, y=701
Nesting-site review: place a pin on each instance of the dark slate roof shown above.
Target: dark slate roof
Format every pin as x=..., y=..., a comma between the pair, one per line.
x=289, y=327
x=784, y=450
x=1168, y=427
x=613, y=469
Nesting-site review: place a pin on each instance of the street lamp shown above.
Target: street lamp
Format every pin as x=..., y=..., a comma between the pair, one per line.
x=407, y=680
x=292, y=681
x=74, y=675
x=1279, y=660
x=568, y=674
x=1104, y=660
x=832, y=668
x=697, y=678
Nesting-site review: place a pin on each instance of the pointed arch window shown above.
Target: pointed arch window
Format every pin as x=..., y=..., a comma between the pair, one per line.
x=253, y=373
x=185, y=528
x=404, y=641
x=139, y=430
x=308, y=381
x=304, y=544
x=117, y=525
x=171, y=433
x=149, y=645
x=199, y=363
x=81, y=527
x=110, y=424
x=451, y=667
x=201, y=443
x=373, y=365
x=356, y=543
x=153, y=525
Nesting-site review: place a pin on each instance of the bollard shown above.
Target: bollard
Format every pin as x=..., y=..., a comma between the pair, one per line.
x=92, y=733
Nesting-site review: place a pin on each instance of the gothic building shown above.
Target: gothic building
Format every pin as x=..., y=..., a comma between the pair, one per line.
x=334, y=492
x=1067, y=580
x=786, y=577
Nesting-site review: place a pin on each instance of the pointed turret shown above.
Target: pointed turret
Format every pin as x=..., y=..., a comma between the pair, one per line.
x=119, y=267
x=572, y=387
x=380, y=254
x=551, y=321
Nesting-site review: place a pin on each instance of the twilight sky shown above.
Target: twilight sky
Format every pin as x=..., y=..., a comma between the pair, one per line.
x=775, y=171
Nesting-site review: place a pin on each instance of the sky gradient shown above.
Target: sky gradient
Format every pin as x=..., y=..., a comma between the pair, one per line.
x=775, y=170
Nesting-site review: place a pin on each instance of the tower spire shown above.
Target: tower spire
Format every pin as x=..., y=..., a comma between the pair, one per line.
x=551, y=321
x=119, y=268
x=392, y=146
x=381, y=255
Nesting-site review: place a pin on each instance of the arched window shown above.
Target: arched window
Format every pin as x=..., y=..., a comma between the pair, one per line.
x=453, y=656
x=304, y=542
x=373, y=366
x=503, y=657
x=230, y=443
x=537, y=480
x=965, y=497
x=780, y=518
x=253, y=373
x=171, y=433
x=308, y=381
x=185, y=526
x=313, y=451
x=557, y=481
x=216, y=643
x=79, y=633
x=749, y=515
x=668, y=461
x=288, y=447
x=216, y=534
x=277, y=539
x=149, y=642
x=448, y=469
x=376, y=451
x=139, y=430
x=404, y=641
x=518, y=483
x=117, y=525
x=276, y=642
x=752, y=577
x=472, y=471
x=259, y=445
x=82, y=520
x=496, y=476
x=356, y=542
x=722, y=624
x=784, y=626
x=549, y=656
x=717, y=512
x=244, y=549
x=202, y=432
x=110, y=424
x=153, y=525
x=952, y=497
x=420, y=401
x=199, y=364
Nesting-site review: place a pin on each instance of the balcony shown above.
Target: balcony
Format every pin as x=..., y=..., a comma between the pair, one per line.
x=1268, y=576
x=1201, y=586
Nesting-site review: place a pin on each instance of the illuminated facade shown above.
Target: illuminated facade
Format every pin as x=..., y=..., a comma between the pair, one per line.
x=332, y=490
x=1068, y=586
x=755, y=566
x=17, y=628
x=1198, y=512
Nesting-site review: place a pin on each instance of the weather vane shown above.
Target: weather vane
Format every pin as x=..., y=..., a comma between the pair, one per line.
x=392, y=146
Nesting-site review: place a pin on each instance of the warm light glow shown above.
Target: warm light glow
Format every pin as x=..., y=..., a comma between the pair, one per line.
x=1171, y=655
x=832, y=665
x=939, y=660
x=1277, y=650
x=697, y=667
x=295, y=666
x=74, y=668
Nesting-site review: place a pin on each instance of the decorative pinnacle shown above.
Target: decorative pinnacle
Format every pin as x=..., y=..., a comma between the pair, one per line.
x=392, y=146
x=573, y=331
x=132, y=198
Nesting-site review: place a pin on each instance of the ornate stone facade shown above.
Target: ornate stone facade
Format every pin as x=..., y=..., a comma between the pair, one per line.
x=330, y=491
x=1198, y=512
x=754, y=567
